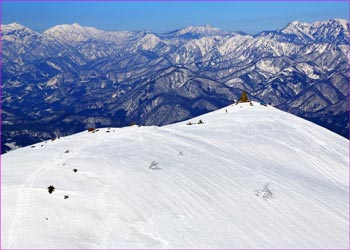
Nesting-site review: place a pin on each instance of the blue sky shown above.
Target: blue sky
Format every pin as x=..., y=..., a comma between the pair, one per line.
x=250, y=17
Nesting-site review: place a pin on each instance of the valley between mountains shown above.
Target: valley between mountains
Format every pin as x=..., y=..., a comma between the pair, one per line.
x=69, y=77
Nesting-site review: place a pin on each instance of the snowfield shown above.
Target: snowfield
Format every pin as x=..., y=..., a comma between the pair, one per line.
x=248, y=177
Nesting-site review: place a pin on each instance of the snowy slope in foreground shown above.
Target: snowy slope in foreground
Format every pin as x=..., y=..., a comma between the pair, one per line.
x=203, y=197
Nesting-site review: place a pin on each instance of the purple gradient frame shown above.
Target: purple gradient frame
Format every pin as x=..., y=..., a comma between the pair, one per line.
x=0, y=127
x=175, y=1
x=174, y=249
x=162, y=1
x=348, y=122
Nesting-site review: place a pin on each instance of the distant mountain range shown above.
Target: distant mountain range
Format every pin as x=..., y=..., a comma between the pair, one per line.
x=71, y=77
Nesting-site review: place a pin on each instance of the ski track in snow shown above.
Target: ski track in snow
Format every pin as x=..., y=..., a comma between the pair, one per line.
x=141, y=229
x=107, y=235
x=24, y=192
x=24, y=196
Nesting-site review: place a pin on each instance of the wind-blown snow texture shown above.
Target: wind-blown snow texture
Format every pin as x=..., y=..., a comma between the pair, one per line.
x=71, y=77
x=201, y=194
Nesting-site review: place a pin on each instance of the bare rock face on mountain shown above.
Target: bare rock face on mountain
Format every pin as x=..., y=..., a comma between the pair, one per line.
x=71, y=77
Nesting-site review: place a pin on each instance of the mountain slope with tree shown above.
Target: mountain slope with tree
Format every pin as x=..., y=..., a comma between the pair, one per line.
x=71, y=77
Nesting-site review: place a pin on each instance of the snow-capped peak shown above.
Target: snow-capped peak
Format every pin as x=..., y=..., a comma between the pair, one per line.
x=245, y=176
x=19, y=34
x=344, y=23
x=297, y=27
x=72, y=33
x=76, y=25
x=147, y=42
x=205, y=30
x=70, y=27
x=14, y=26
x=322, y=31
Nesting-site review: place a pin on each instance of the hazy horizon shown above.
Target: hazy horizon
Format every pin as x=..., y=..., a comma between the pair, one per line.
x=161, y=17
x=111, y=30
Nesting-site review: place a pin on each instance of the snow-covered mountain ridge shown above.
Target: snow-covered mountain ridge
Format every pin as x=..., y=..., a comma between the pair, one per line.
x=203, y=193
x=71, y=77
